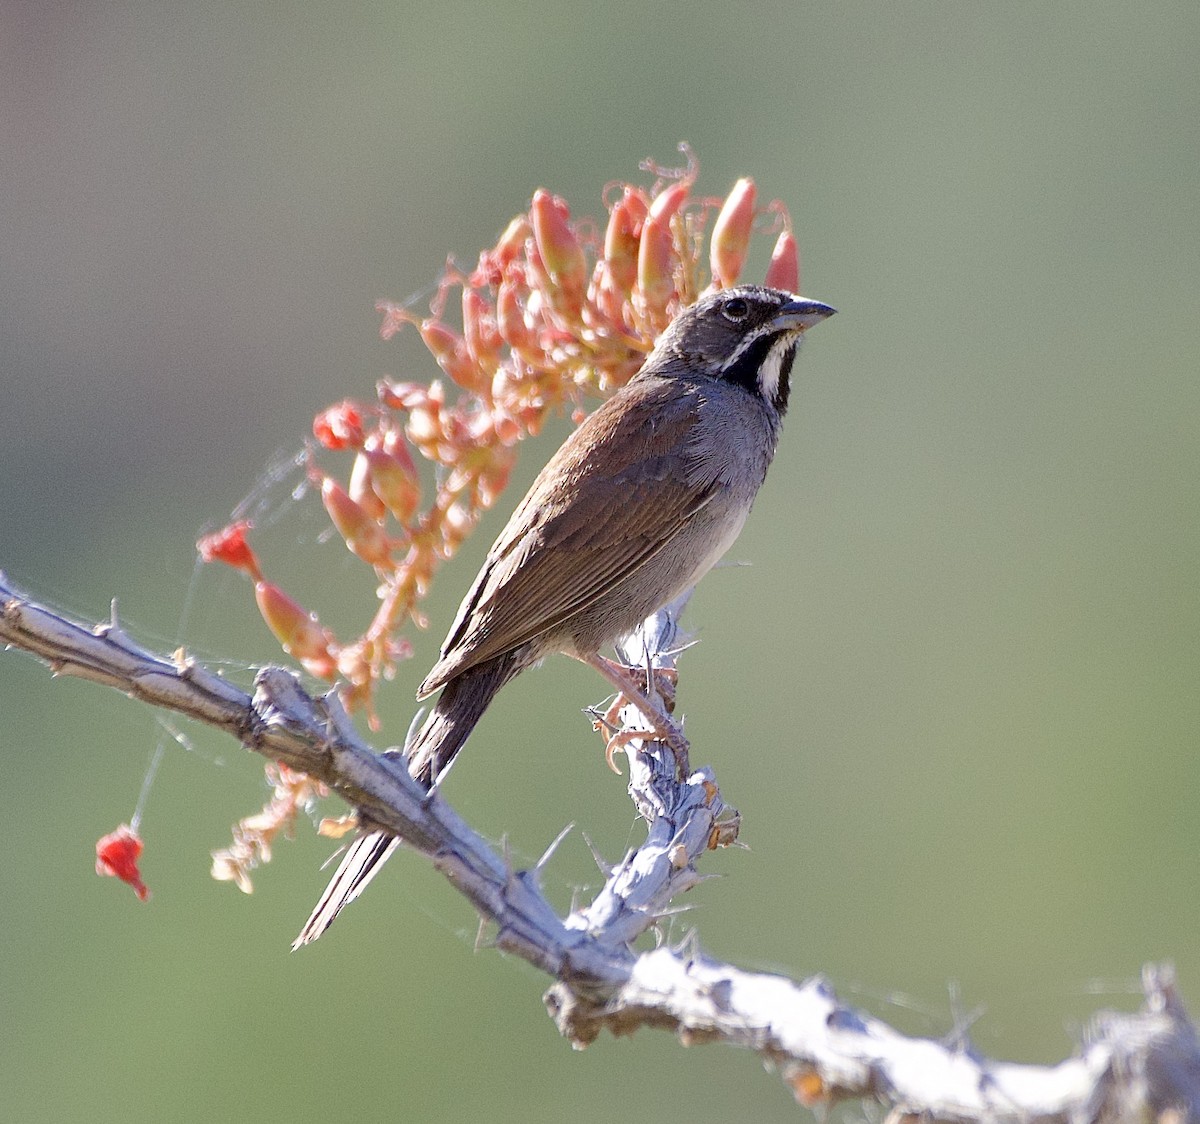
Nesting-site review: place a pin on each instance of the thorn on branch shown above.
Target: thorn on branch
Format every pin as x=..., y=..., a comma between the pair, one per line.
x=554, y=845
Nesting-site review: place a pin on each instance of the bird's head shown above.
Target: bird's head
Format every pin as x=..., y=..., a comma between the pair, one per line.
x=746, y=335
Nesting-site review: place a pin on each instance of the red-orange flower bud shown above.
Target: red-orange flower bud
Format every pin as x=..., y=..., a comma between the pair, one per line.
x=363, y=535
x=510, y=244
x=667, y=202
x=456, y=526
x=440, y=340
x=533, y=417
x=535, y=273
x=494, y=263
x=622, y=239
x=297, y=631
x=494, y=479
x=480, y=331
x=510, y=318
x=229, y=545
x=731, y=234
x=784, y=270
x=560, y=251
x=656, y=268
x=450, y=351
x=424, y=425
x=395, y=446
x=508, y=429
x=361, y=490
x=394, y=481
x=402, y=395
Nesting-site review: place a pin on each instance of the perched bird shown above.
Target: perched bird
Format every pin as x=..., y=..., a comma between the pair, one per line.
x=632, y=510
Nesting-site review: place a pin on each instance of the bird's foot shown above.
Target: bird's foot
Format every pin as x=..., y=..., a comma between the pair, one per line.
x=678, y=745
x=655, y=703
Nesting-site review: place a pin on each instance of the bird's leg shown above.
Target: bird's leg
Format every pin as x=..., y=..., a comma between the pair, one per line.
x=663, y=726
x=660, y=682
x=663, y=681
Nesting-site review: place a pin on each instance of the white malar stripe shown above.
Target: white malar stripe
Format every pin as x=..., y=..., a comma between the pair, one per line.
x=739, y=351
x=768, y=373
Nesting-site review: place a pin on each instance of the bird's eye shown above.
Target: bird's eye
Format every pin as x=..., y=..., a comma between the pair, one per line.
x=736, y=309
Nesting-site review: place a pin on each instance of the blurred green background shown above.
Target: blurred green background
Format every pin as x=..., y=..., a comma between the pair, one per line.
x=955, y=697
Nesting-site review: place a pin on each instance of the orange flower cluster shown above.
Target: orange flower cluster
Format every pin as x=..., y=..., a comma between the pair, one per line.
x=552, y=312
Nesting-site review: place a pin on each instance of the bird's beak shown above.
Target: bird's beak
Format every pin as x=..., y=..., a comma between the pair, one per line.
x=800, y=314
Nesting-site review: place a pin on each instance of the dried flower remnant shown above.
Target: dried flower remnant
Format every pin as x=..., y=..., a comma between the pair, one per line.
x=252, y=837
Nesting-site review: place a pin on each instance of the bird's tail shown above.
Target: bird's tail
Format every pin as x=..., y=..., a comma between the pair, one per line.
x=429, y=754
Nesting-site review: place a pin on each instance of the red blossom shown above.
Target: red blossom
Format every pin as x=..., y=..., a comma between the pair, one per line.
x=229, y=545
x=339, y=426
x=117, y=857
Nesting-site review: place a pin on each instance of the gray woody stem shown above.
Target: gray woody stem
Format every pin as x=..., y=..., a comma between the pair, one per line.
x=1144, y=1066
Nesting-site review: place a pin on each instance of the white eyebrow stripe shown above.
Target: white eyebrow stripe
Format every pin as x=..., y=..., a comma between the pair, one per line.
x=747, y=341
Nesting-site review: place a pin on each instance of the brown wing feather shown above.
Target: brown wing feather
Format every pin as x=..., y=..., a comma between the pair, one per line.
x=609, y=500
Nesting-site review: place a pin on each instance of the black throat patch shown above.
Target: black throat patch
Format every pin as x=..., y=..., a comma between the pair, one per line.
x=748, y=371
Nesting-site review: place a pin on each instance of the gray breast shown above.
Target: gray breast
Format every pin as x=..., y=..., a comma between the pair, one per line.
x=725, y=459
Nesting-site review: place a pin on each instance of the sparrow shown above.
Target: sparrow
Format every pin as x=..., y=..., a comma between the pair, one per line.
x=634, y=508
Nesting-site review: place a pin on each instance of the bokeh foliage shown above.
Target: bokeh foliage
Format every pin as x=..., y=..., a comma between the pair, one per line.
x=954, y=698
